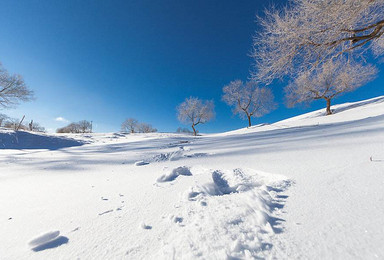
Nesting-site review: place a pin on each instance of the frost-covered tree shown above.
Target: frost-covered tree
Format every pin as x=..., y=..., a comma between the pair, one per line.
x=195, y=111
x=12, y=89
x=146, y=128
x=328, y=81
x=306, y=33
x=130, y=125
x=248, y=100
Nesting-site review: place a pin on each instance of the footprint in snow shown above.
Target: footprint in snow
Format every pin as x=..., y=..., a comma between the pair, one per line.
x=106, y=212
x=177, y=219
x=141, y=163
x=145, y=226
x=76, y=229
x=47, y=241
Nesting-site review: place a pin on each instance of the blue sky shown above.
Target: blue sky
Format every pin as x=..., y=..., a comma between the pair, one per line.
x=109, y=60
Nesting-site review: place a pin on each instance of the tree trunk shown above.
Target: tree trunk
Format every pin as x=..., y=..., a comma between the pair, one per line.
x=17, y=129
x=329, y=112
x=194, y=130
x=249, y=121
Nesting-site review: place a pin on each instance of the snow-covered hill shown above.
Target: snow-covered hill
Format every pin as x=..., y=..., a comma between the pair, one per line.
x=308, y=187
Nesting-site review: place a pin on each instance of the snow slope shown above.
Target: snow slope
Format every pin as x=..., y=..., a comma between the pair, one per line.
x=310, y=187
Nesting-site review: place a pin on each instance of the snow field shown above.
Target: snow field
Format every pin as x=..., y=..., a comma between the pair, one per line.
x=304, y=188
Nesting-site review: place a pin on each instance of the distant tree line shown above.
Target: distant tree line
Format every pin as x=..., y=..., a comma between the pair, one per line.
x=17, y=124
x=132, y=125
x=82, y=126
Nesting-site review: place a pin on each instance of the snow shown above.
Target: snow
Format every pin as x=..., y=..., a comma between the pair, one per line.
x=302, y=188
x=171, y=176
x=43, y=239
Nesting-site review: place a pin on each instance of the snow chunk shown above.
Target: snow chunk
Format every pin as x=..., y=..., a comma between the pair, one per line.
x=47, y=240
x=183, y=170
x=44, y=238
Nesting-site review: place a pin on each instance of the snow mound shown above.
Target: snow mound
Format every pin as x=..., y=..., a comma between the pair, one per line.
x=171, y=176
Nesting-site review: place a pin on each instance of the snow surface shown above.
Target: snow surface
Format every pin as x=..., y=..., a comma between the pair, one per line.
x=309, y=187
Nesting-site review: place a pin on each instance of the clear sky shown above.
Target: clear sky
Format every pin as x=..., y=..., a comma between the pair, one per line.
x=109, y=60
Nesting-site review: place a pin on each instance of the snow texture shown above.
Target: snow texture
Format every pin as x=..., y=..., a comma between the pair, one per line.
x=309, y=187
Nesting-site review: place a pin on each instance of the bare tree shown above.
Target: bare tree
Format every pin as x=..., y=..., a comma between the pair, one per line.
x=248, y=100
x=307, y=33
x=195, y=111
x=85, y=126
x=146, y=128
x=63, y=130
x=35, y=127
x=3, y=119
x=332, y=79
x=130, y=125
x=12, y=89
x=71, y=128
x=11, y=123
